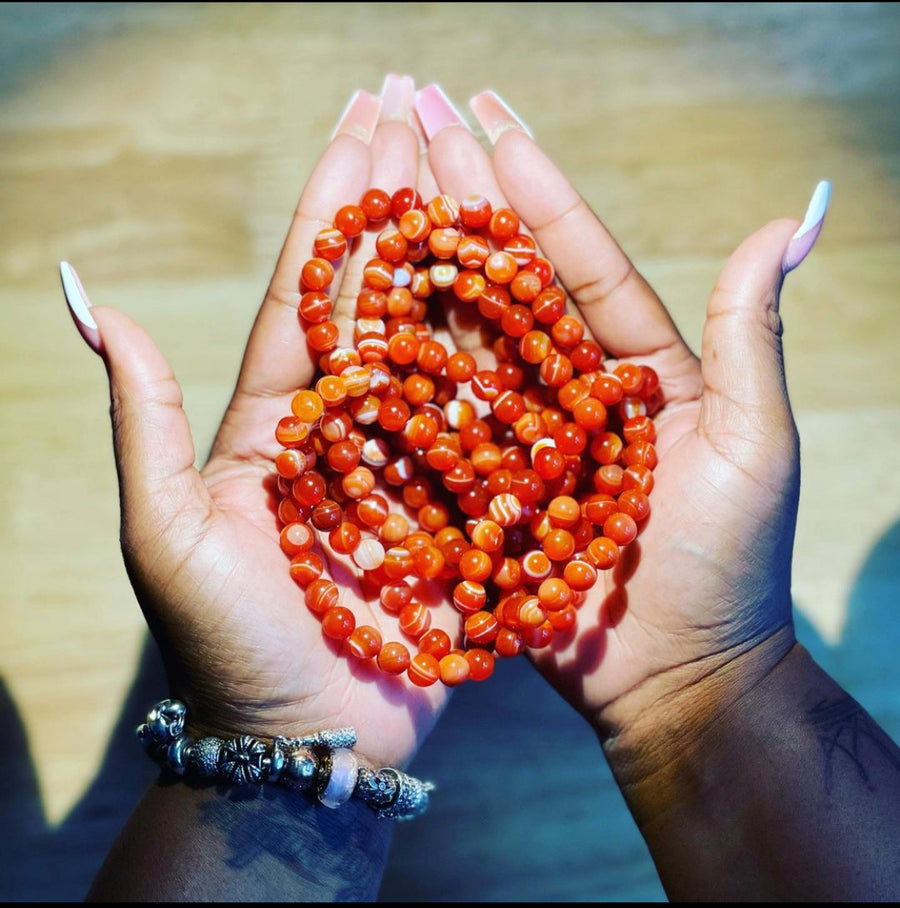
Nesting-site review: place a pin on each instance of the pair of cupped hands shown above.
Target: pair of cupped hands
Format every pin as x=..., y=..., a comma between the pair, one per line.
x=697, y=611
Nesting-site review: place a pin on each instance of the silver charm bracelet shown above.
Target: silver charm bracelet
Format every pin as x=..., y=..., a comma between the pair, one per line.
x=322, y=764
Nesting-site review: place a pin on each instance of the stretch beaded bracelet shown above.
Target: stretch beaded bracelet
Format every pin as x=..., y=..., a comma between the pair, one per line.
x=322, y=764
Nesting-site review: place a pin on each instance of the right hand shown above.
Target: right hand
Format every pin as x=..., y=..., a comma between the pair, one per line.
x=706, y=586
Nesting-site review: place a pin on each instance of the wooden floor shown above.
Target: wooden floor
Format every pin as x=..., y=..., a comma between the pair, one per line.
x=161, y=149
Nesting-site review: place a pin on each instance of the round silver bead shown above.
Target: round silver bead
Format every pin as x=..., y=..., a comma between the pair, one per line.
x=176, y=755
x=166, y=720
x=300, y=769
x=203, y=759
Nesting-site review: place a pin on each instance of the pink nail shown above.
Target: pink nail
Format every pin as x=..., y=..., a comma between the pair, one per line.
x=360, y=117
x=805, y=238
x=80, y=307
x=496, y=116
x=436, y=111
x=398, y=94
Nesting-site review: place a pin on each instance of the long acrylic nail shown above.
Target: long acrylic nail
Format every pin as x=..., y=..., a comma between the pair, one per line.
x=398, y=95
x=804, y=239
x=80, y=306
x=496, y=116
x=360, y=117
x=436, y=111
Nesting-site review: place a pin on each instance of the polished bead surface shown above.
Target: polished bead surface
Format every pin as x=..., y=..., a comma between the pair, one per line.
x=394, y=658
x=364, y=643
x=350, y=220
x=454, y=669
x=424, y=670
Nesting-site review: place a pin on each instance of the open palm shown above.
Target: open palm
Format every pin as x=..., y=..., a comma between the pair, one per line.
x=709, y=577
x=202, y=547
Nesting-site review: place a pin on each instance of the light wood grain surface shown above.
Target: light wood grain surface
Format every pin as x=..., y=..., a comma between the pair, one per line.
x=161, y=148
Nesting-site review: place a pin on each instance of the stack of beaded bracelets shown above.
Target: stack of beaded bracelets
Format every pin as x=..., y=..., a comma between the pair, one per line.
x=322, y=763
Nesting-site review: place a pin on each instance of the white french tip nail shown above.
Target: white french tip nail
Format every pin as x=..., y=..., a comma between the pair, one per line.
x=808, y=232
x=75, y=295
x=818, y=205
x=344, y=112
x=79, y=306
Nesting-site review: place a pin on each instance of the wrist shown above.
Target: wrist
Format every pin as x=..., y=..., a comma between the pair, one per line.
x=670, y=723
x=188, y=842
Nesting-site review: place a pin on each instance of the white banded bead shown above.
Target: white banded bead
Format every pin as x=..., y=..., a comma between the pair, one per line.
x=369, y=554
x=505, y=509
x=443, y=276
x=375, y=452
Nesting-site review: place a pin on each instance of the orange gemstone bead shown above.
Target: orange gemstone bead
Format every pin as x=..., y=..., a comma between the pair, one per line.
x=424, y=670
x=364, y=643
x=315, y=306
x=559, y=545
x=503, y=224
x=500, y=268
x=404, y=200
x=376, y=204
x=394, y=658
x=469, y=285
x=508, y=643
x=481, y=664
x=443, y=211
x=414, y=619
x=469, y=596
x=579, y=575
x=350, y=220
x=323, y=337
x=554, y=594
x=635, y=504
x=344, y=538
x=475, y=212
x=316, y=274
x=461, y=367
x=563, y=620
x=603, y=553
x=306, y=568
x=291, y=431
x=454, y=669
x=621, y=528
x=443, y=242
x=475, y=565
x=482, y=627
x=322, y=595
x=436, y=643
x=487, y=535
x=330, y=244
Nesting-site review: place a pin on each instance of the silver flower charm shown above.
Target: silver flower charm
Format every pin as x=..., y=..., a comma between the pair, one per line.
x=243, y=760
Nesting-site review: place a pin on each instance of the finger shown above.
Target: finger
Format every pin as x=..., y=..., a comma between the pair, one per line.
x=742, y=357
x=276, y=360
x=394, y=165
x=618, y=305
x=151, y=436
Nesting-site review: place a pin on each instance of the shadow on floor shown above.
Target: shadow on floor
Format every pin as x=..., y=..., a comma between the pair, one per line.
x=526, y=808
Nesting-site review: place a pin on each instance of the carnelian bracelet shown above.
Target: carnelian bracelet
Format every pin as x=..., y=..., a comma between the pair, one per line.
x=519, y=483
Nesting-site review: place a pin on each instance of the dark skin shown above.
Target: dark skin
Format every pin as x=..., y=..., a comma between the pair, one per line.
x=729, y=743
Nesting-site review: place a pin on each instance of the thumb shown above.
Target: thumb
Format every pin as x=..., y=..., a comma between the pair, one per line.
x=742, y=359
x=151, y=436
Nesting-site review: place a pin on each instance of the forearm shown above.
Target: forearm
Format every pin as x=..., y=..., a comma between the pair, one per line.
x=792, y=792
x=269, y=844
